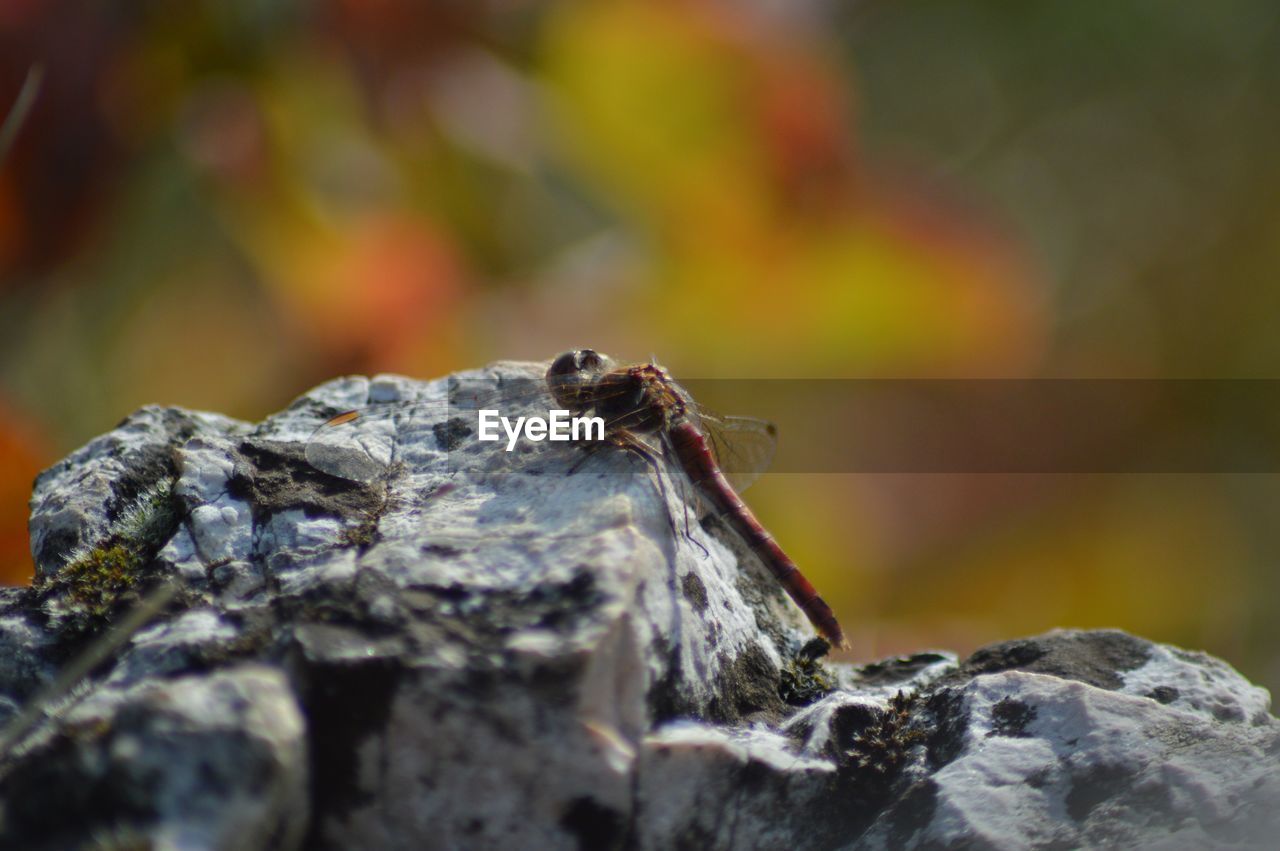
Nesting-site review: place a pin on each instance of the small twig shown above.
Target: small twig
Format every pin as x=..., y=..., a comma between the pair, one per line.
x=21, y=108
x=37, y=707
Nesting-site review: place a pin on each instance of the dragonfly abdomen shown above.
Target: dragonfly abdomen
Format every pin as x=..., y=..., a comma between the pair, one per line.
x=700, y=465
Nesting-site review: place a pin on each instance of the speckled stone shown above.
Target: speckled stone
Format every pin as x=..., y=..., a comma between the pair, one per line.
x=406, y=638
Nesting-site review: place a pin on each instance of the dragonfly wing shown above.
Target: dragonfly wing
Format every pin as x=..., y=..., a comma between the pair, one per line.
x=743, y=446
x=355, y=445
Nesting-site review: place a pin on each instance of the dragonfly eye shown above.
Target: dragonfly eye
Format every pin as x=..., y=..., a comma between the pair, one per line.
x=564, y=365
x=573, y=365
x=569, y=376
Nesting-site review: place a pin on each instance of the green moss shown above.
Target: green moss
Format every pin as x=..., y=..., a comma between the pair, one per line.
x=150, y=521
x=880, y=749
x=363, y=535
x=94, y=582
x=804, y=679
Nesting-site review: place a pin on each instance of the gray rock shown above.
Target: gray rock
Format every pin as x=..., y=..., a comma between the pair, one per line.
x=211, y=761
x=409, y=639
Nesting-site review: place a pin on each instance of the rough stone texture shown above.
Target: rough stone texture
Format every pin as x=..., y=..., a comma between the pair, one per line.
x=474, y=649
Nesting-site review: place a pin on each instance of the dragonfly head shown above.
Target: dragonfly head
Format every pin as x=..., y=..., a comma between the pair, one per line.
x=571, y=375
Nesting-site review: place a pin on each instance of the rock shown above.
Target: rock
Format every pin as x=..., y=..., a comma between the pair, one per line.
x=411, y=639
x=1089, y=739
x=210, y=761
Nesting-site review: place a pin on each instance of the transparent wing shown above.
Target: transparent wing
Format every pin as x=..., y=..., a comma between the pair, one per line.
x=743, y=446
x=357, y=445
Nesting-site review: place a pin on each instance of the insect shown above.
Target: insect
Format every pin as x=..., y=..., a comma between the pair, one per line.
x=649, y=415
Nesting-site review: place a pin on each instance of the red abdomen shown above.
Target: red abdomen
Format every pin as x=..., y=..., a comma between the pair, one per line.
x=700, y=465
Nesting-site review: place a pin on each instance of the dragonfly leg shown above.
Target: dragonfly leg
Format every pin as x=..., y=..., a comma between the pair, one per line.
x=629, y=443
x=588, y=452
x=706, y=553
x=684, y=504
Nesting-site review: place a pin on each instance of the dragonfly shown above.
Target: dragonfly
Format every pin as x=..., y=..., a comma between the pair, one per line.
x=645, y=413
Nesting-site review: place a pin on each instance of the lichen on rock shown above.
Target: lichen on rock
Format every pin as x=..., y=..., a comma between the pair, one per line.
x=476, y=648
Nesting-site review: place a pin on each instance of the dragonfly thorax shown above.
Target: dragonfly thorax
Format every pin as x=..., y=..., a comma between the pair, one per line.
x=637, y=398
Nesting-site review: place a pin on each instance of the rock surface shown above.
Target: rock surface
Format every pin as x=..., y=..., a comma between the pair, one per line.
x=473, y=649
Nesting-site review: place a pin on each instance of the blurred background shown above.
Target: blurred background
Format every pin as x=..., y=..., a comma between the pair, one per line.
x=221, y=204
